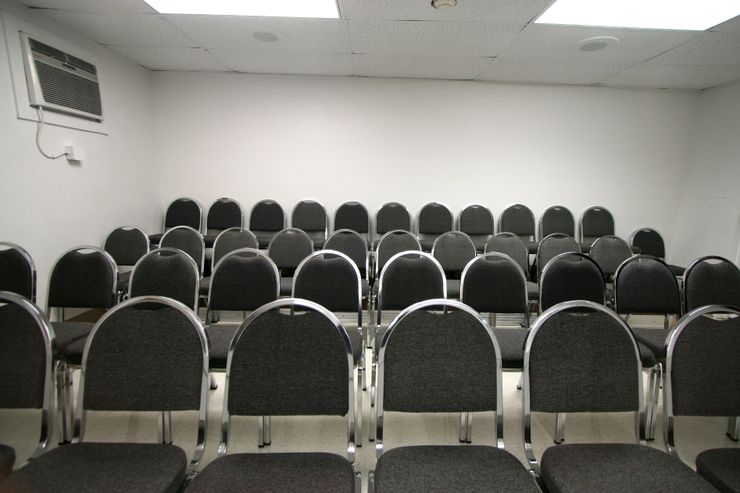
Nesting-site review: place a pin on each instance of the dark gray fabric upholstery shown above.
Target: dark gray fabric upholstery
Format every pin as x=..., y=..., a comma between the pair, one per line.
x=352, y=245
x=390, y=216
x=583, y=362
x=276, y=473
x=219, y=340
x=330, y=281
x=517, y=219
x=223, y=214
x=711, y=283
x=476, y=220
x=609, y=252
x=286, y=286
x=288, y=248
x=596, y=222
x=511, y=342
x=551, y=247
x=187, y=240
x=123, y=280
x=439, y=362
x=392, y=244
x=572, y=277
x=16, y=274
x=102, y=467
x=617, y=468
x=533, y=291
x=409, y=279
x=144, y=358
x=266, y=215
x=511, y=245
x=480, y=241
x=435, y=218
x=705, y=380
x=22, y=359
x=183, y=212
x=71, y=338
x=653, y=339
x=82, y=279
x=444, y=469
x=495, y=285
x=243, y=283
x=126, y=245
x=318, y=238
x=721, y=467
x=165, y=274
x=233, y=239
x=453, y=250
x=453, y=289
x=7, y=460
x=352, y=215
x=426, y=240
x=310, y=216
x=646, y=285
x=557, y=219
x=204, y=286
x=264, y=238
x=649, y=242
x=289, y=364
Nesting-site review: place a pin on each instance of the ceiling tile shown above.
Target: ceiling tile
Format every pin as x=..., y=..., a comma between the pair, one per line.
x=732, y=26
x=417, y=66
x=711, y=49
x=550, y=71
x=180, y=59
x=431, y=38
x=657, y=76
x=500, y=11
x=122, y=29
x=320, y=35
x=284, y=62
x=547, y=42
x=93, y=5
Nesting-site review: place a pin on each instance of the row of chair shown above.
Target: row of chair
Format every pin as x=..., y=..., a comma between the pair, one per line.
x=151, y=354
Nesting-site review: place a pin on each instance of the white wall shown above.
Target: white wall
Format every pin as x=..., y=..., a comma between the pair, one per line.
x=50, y=206
x=708, y=220
x=376, y=140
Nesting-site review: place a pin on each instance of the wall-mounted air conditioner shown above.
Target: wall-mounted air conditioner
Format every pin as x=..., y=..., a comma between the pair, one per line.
x=60, y=81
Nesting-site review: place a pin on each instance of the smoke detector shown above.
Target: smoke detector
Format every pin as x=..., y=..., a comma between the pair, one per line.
x=597, y=43
x=443, y=3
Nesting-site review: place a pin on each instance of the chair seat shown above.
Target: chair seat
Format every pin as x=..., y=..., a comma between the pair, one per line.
x=219, y=340
x=318, y=238
x=209, y=240
x=426, y=241
x=480, y=241
x=71, y=338
x=285, y=473
x=677, y=270
x=511, y=342
x=286, y=286
x=617, y=467
x=721, y=467
x=264, y=237
x=453, y=289
x=654, y=339
x=205, y=286
x=533, y=291
x=123, y=280
x=7, y=460
x=469, y=468
x=102, y=467
x=647, y=356
x=532, y=246
x=155, y=238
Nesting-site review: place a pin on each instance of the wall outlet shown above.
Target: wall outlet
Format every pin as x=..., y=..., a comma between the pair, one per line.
x=74, y=153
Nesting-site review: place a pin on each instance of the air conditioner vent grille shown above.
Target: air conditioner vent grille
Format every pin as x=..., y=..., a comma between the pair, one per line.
x=67, y=89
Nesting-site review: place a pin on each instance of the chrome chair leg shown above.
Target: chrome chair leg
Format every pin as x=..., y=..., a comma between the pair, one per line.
x=214, y=384
x=733, y=428
x=463, y=427
x=268, y=430
x=165, y=427
x=652, y=401
x=469, y=430
x=64, y=401
x=520, y=382
x=358, y=409
x=261, y=431
x=559, y=428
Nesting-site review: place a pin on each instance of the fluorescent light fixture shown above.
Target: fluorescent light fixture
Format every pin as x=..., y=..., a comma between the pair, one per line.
x=688, y=15
x=261, y=8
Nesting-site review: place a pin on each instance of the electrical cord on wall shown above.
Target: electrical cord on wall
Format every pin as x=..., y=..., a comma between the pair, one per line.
x=39, y=127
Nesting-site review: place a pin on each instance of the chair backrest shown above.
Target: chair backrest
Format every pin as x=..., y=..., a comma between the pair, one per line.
x=27, y=348
x=243, y=280
x=513, y=246
x=391, y=243
x=553, y=245
x=352, y=215
x=581, y=357
x=609, y=252
x=453, y=250
x=649, y=241
x=495, y=283
x=265, y=220
x=17, y=271
x=646, y=285
x=232, y=239
x=407, y=278
x=311, y=217
x=711, y=280
x=331, y=279
x=183, y=212
x=517, y=219
x=435, y=218
x=439, y=356
x=571, y=276
x=352, y=244
x=392, y=216
x=288, y=248
x=224, y=213
x=280, y=338
x=595, y=222
x=166, y=272
x=189, y=241
x=126, y=245
x=477, y=221
x=147, y=354
x=83, y=277
x=557, y=219
x=702, y=375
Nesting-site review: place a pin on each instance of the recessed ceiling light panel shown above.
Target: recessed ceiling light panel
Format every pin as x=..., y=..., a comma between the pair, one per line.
x=689, y=15
x=259, y=8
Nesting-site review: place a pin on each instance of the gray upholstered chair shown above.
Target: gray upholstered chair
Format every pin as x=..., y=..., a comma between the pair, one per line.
x=183, y=211
x=551, y=246
x=649, y=242
x=439, y=356
x=477, y=221
x=453, y=250
x=391, y=243
x=147, y=354
x=17, y=271
x=189, y=241
x=288, y=249
x=390, y=217
x=582, y=357
x=595, y=222
x=311, y=217
x=519, y=219
x=354, y=216
x=557, y=219
x=609, y=252
x=167, y=272
x=711, y=280
x=703, y=379
x=280, y=338
x=571, y=276
x=352, y=244
x=227, y=241
x=513, y=246
x=434, y=219
x=27, y=348
x=223, y=214
x=266, y=219
x=126, y=244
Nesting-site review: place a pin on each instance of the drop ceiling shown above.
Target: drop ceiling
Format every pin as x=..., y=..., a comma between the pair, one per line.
x=486, y=40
